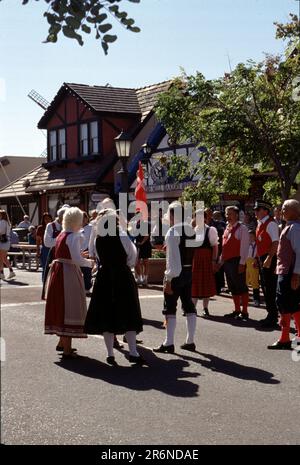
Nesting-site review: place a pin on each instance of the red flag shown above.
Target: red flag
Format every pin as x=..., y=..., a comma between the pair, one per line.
x=140, y=193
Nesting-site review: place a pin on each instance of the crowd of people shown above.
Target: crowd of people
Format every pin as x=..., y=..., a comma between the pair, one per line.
x=242, y=250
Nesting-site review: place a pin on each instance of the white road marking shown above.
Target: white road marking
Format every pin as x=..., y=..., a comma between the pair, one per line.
x=30, y=304
x=34, y=286
x=27, y=304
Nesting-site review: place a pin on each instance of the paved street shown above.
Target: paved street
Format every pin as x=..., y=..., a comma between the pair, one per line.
x=232, y=390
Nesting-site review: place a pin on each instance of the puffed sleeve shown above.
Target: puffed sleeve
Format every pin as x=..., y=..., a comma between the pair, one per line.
x=213, y=236
x=74, y=243
x=49, y=241
x=130, y=249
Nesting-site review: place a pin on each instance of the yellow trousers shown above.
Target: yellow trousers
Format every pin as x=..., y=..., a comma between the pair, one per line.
x=252, y=274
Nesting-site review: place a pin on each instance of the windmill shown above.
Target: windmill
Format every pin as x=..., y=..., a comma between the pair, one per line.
x=44, y=104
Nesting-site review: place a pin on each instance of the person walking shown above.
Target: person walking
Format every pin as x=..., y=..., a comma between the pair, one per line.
x=267, y=238
x=288, y=271
x=41, y=250
x=234, y=256
x=114, y=307
x=178, y=279
x=65, y=295
x=5, y=230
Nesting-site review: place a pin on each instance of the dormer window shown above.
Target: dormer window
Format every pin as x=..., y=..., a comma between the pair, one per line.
x=84, y=140
x=53, y=145
x=62, y=144
x=89, y=138
x=94, y=145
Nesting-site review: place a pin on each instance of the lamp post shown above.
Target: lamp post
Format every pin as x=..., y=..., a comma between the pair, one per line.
x=123, y=146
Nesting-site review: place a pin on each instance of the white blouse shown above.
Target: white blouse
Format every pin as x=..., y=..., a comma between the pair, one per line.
x=74, y=242
x=49, y=241
x=5, y=228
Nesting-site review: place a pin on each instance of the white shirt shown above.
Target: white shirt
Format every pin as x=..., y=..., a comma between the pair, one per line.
x=272, y=228
x=129, y=248
x=49, y=241
x=173, y=258
x=5, y=228
x=252, y=250
x=212, y=235
x=74, y=242
x=24, y=224
x=86, y=234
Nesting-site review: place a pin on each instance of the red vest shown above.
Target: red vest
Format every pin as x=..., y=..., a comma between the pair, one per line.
x=231, y=245
x=263, y=239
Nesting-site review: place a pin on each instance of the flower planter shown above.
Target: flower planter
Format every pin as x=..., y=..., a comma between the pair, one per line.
x=157, y=268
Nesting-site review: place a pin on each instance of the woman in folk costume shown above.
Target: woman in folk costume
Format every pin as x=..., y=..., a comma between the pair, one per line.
x=204, y=262
x=52, y=231
x=114, y=307
x=65, y=294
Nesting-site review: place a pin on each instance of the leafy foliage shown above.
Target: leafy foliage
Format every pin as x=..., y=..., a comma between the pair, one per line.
x=247, y=117
x=74, y=17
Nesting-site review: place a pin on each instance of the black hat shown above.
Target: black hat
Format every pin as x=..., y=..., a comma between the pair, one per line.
x=262, y=204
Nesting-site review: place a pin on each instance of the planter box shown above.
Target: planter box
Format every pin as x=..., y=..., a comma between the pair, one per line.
x=157, y=268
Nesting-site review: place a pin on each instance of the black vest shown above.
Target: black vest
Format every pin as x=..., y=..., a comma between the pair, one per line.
x=186, y=253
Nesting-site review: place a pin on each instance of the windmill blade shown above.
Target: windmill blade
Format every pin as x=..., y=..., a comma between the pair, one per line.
x=38, y=99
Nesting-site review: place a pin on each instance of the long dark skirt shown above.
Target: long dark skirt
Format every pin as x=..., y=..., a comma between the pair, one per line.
x=114, y=306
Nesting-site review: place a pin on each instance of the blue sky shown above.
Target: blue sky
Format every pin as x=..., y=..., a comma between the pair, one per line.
x=194, y=34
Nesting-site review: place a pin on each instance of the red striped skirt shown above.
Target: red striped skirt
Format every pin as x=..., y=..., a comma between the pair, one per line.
x=204, y=283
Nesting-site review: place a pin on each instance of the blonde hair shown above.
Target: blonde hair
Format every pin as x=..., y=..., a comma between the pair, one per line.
x=72, y=218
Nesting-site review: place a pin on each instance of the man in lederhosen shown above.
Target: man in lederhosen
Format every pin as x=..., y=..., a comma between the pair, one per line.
x=178, y=279
x=234, y=255
x=267, y=237
x=288, y=271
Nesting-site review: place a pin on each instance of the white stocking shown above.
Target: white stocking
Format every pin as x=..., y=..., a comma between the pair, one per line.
x=131, y=341
x=171, y=325
x=191, y=319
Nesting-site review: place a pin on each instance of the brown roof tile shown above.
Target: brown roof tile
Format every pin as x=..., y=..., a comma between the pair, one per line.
x=18, y=187
x=63, y=177
x=106, y=99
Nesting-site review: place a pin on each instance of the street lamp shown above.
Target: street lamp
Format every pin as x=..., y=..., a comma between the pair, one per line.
x=123, y=145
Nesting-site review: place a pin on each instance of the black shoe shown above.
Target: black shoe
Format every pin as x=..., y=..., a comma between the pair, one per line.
x=205, y=312
x=138, y=341
x=164, y=349
x=281, y=345
x=232, y=314
x=243, y=316
x=70, y=356
x=256, y=303
x=191, y=347
x=137, y=360
x=111, y=361
x=61, y=349
x=269, y=324
x=117, y=344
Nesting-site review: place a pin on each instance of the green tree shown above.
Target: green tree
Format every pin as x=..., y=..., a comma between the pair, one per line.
x=72, y=18
x=248, y=118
